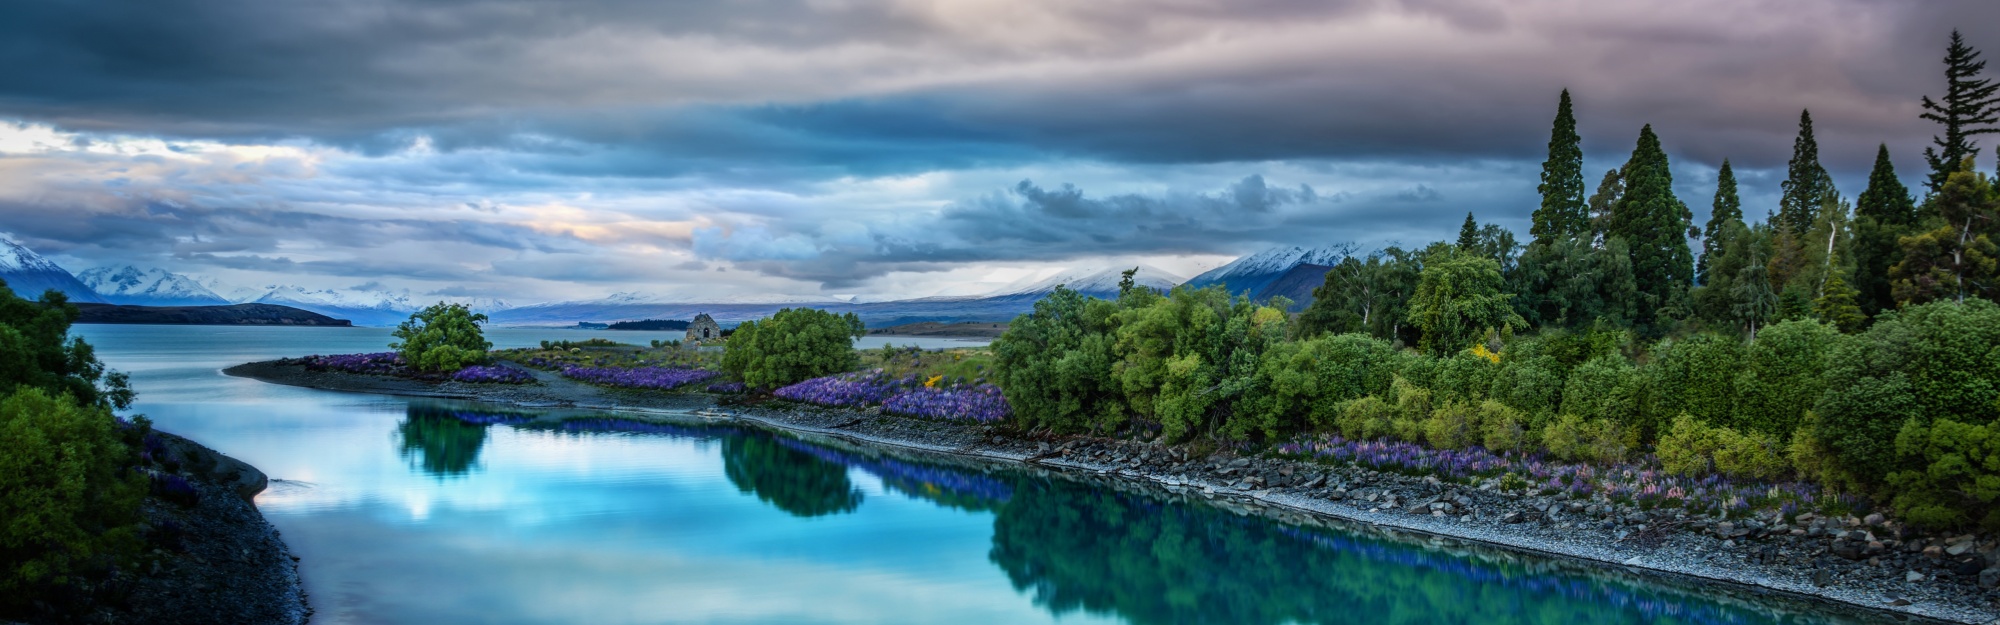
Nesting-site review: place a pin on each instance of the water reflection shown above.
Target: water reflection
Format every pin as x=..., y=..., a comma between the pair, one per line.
x=793, y=481
x=1151, y=557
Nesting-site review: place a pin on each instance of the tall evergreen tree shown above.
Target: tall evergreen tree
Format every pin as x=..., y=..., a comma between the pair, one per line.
x=1806, y=184
x=1468, y=234
x=1728, y=208
x=1883, y=213
x=1609, y=190
x=1655, y=224
x=1970, y=108
x=1563, y=212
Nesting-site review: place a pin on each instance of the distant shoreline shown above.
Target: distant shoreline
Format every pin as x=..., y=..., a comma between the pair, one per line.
x=231, y=315
x=1342, y=494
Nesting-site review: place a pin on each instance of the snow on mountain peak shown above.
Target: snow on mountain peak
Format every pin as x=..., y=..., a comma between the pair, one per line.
x=15, y=257
x=1094, y=281
x=155, y=287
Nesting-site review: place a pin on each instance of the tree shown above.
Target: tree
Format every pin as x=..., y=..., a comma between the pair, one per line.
x=1363, y=296
x=1957, y=256
x=69, y=501
x=1806, y=185
x=791, y=346
x=1655, y=224
x=442, y=337
x=1728, y=208
x=1609, y=190
x=1570, y=283
x=1754, y=303
x=1836, y=306
x=1468, y=234
x=1563, y=212
x=1458, y=301
x=1055, y=365
x=1883, y=213
x=36, y=351
x=1970, y=108
x=1919, y=364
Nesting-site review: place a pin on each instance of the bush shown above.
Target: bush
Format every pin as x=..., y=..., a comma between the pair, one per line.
x=442, y=337
x=1782, y=376
x=1572, y=437
x=1933, y=361
x=1306, y=383
x=1500, y=427
x=69, y=507
x=792, y=346
x=1692, y=448
x=1533, y=386
x=1607, y=388
x=1455, y=426
x=1055, y=365
x=1697, y=377
x=1365, y=418
x=36, y=351
x=1957, y=477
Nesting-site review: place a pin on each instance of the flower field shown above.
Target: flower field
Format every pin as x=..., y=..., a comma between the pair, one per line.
x=909, y=395
x=655, y=378
x=1642, y=483
x=492, y=374
x=378, y=363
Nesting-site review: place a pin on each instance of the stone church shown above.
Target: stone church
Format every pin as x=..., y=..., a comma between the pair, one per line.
x=703, y=328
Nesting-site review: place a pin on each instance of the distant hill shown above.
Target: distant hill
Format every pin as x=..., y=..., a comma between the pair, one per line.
x=230, y=315
x=28, y=275
x=152, y=287
x=651, y=324
x=1296, y=285
x=1251, y=274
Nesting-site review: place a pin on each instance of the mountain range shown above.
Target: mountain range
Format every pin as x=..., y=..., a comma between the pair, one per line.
x=1291, y=272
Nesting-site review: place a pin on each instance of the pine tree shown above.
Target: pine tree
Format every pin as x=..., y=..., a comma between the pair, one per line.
x=1837, y=306
x=1562, y=213
x=1655, y=224
x=1806, y=184
x=1609, y=190
x=1959, y=256
x=1468, y=234
x=1883, y=213
x=1728, y=208
x=1970, y=108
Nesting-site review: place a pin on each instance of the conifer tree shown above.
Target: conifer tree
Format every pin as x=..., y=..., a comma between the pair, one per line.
x=1468, y=234
x=1728, y=208
x=1655, y=224
x=1562, y=213
x=1806, y=184
x=1609, y=190
x=1883, y=213
x=1970, y=108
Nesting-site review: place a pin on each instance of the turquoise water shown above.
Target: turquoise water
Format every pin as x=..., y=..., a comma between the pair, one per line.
x=418, y=511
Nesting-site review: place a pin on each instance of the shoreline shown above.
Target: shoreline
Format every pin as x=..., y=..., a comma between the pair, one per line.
x=1735, y=556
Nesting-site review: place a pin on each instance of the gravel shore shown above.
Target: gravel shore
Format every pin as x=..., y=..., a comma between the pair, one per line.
x=1847, y=564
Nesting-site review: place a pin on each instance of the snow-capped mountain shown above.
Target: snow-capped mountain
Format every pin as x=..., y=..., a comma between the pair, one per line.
x=28, y=275
x=1093, y=282
x=364, y=308
x=151, y=287
x=1254, y=272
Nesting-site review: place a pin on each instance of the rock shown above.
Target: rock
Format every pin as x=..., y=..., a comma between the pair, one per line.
x=1873, y=519
x=1898, y=601
x=1873, y=548
x=1724, y=529
x=1846, y=549
x=1512, y=518
x=1728, y=544
x=1337, y=494
x=1958, y=549
x=1822, y=578
x=1239, y=463
x=1933, y=552
x=1804, y=518
x=1912, y=576
x=1990, y=578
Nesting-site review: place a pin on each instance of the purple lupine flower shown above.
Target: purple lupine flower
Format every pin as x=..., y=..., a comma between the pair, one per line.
x=492, y=374
x=657, y=378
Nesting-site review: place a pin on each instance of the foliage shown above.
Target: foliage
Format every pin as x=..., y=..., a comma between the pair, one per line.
x=1727, y=211
x=1806, y=185
x=1608, y=389
x=1883, y=213
x=1305, y=383
x=494, y=374
x=1969, y=108
x=1781, y=376
x=1562, y=214
x=1954, y=476
x=69, y=504
x=1655, y=224
x=654, y=378
x=1458, y=301
x=791, y=346
x=36, y=351
x=1956, y=254
x=1191, y=359
x=1055, y=364
x=1364, y=295
x=1932, y=361
x=1696, y=376
x=1692, y=448
x=442, y=337
x=1572, y=437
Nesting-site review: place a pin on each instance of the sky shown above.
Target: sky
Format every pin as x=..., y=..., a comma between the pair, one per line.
x=536, y=150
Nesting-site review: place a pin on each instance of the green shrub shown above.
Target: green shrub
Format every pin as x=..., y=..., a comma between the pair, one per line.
x=1464, y=377
x=1690, y=447
x=1533, y=386
x=1500, y=427
x=36, y=351
x=792, y=346
x=1957, y=477
x=1453, y=426
x=1933, y=361
x=1055, y=365
x=1781, y=376
x=1572, y=437
x=1306, y=383
x=69, y=507
x=1697, y=377
x=1606, y=388
x=1365, y=418
x=442, y=337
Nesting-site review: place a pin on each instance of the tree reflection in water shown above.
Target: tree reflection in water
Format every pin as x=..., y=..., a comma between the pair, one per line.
x=440, y=444
x=793, y=481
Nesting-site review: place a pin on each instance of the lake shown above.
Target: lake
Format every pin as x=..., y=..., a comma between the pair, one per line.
x=421, y=511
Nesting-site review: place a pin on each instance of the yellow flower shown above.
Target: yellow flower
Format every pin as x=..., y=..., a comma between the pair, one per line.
x=1481, y=351
x=932, y=383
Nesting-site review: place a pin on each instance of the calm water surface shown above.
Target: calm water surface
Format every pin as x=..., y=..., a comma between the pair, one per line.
x=415, y=511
